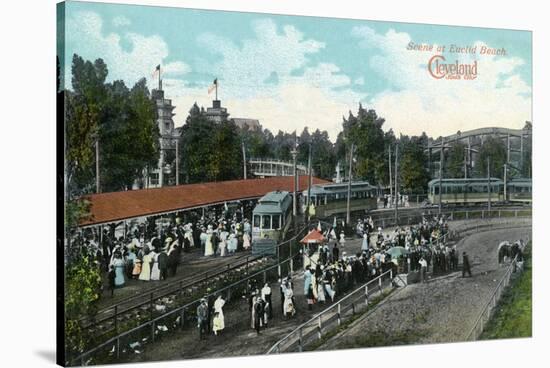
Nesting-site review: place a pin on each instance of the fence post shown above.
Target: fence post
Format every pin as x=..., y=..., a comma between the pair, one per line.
x=117, y=347
x=319, y=328
x=116, y=319
x=300, y=346
x=352, y=308
x=391, y=274
x=181, y=289
x=182, y=316
x=265, y=277
x=339, y=315
x=366, y=295
x=291, y=266
x=380, y=284
x=152, y=331
x=151, y=306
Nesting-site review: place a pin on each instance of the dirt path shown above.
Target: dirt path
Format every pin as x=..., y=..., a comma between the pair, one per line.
x=444, y=310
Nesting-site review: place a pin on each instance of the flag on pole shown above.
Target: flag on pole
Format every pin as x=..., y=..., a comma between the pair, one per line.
x=156, y=72
x=213, y=86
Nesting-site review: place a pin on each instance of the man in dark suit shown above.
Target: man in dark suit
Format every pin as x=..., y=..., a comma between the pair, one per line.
x=466, y=265
x=163, y=265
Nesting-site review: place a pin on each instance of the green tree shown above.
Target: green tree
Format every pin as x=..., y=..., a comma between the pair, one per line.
x=129, y=136
x=365, y=131
x=84, y=106
x=413, y=171
x=454, y=167
x=210, y=151
x=494, y=150
x=323, y=155
x=121, y=120
x=82, y=291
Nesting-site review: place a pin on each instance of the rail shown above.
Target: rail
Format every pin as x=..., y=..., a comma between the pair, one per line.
x=487, y=310
x=114, y=310
x=334, y=315
x=148, y=330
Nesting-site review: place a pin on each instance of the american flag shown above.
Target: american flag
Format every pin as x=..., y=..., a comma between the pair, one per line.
x=156, y=72
x=213, y=86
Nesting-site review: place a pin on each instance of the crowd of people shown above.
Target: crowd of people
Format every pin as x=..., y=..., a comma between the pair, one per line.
x=152, y=251
x=388, y=201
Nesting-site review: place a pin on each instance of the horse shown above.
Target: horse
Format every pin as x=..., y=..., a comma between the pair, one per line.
x=504, y=251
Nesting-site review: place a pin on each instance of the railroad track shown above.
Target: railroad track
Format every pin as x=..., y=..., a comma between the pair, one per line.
x=161, y=299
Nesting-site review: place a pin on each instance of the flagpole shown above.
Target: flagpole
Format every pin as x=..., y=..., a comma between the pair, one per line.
x=160, y=85
x=216, y=89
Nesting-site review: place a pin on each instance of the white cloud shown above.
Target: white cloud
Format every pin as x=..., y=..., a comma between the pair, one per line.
x=417, y=102
x=86, y=38
x=121, y=21
x=359, y=81
x=317, y=97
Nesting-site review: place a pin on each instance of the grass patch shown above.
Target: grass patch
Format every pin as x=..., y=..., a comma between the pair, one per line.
x=513, y=314
x=372, y=303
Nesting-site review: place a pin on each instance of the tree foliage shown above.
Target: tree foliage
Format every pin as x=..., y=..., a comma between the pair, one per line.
x=82, y=291
x=495, y=150
x=121, y=120
x=412, y=165
x=365, y=131
x=455, y=161
x=210, y=151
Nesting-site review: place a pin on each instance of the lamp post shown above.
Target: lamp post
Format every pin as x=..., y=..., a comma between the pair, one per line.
x=348, y=205
x=294, y=152
x=396, y=181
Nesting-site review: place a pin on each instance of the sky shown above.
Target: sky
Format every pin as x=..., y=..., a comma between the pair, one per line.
x=290, y=72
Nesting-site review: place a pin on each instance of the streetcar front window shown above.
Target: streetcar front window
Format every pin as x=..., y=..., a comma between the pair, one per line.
x=256, y=221
x=266, y=222
x=276, y=222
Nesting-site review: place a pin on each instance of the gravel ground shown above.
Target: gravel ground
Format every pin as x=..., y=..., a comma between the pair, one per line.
x=444, y=310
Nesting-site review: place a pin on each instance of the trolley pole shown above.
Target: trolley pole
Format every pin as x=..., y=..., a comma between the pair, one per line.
x=396, y=185
x=177, y=162
x=389, y=166
x=244, y=160
x=348, y=209
x=97, y=181
x=489, y=184
x=505, y=182
x=309, y=180
x=294, y=152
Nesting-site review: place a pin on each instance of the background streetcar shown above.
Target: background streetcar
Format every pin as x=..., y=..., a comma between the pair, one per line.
x=476, y=191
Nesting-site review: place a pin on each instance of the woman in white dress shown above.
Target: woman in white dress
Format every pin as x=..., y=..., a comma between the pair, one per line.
x=208, y=246
x=342, y=239
x=218, y=308
x=246, y=241
x=232, y=243
x=288, y=306
x=145, y=274
x=223, y=242
x=320, y=290
x=155, y=270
